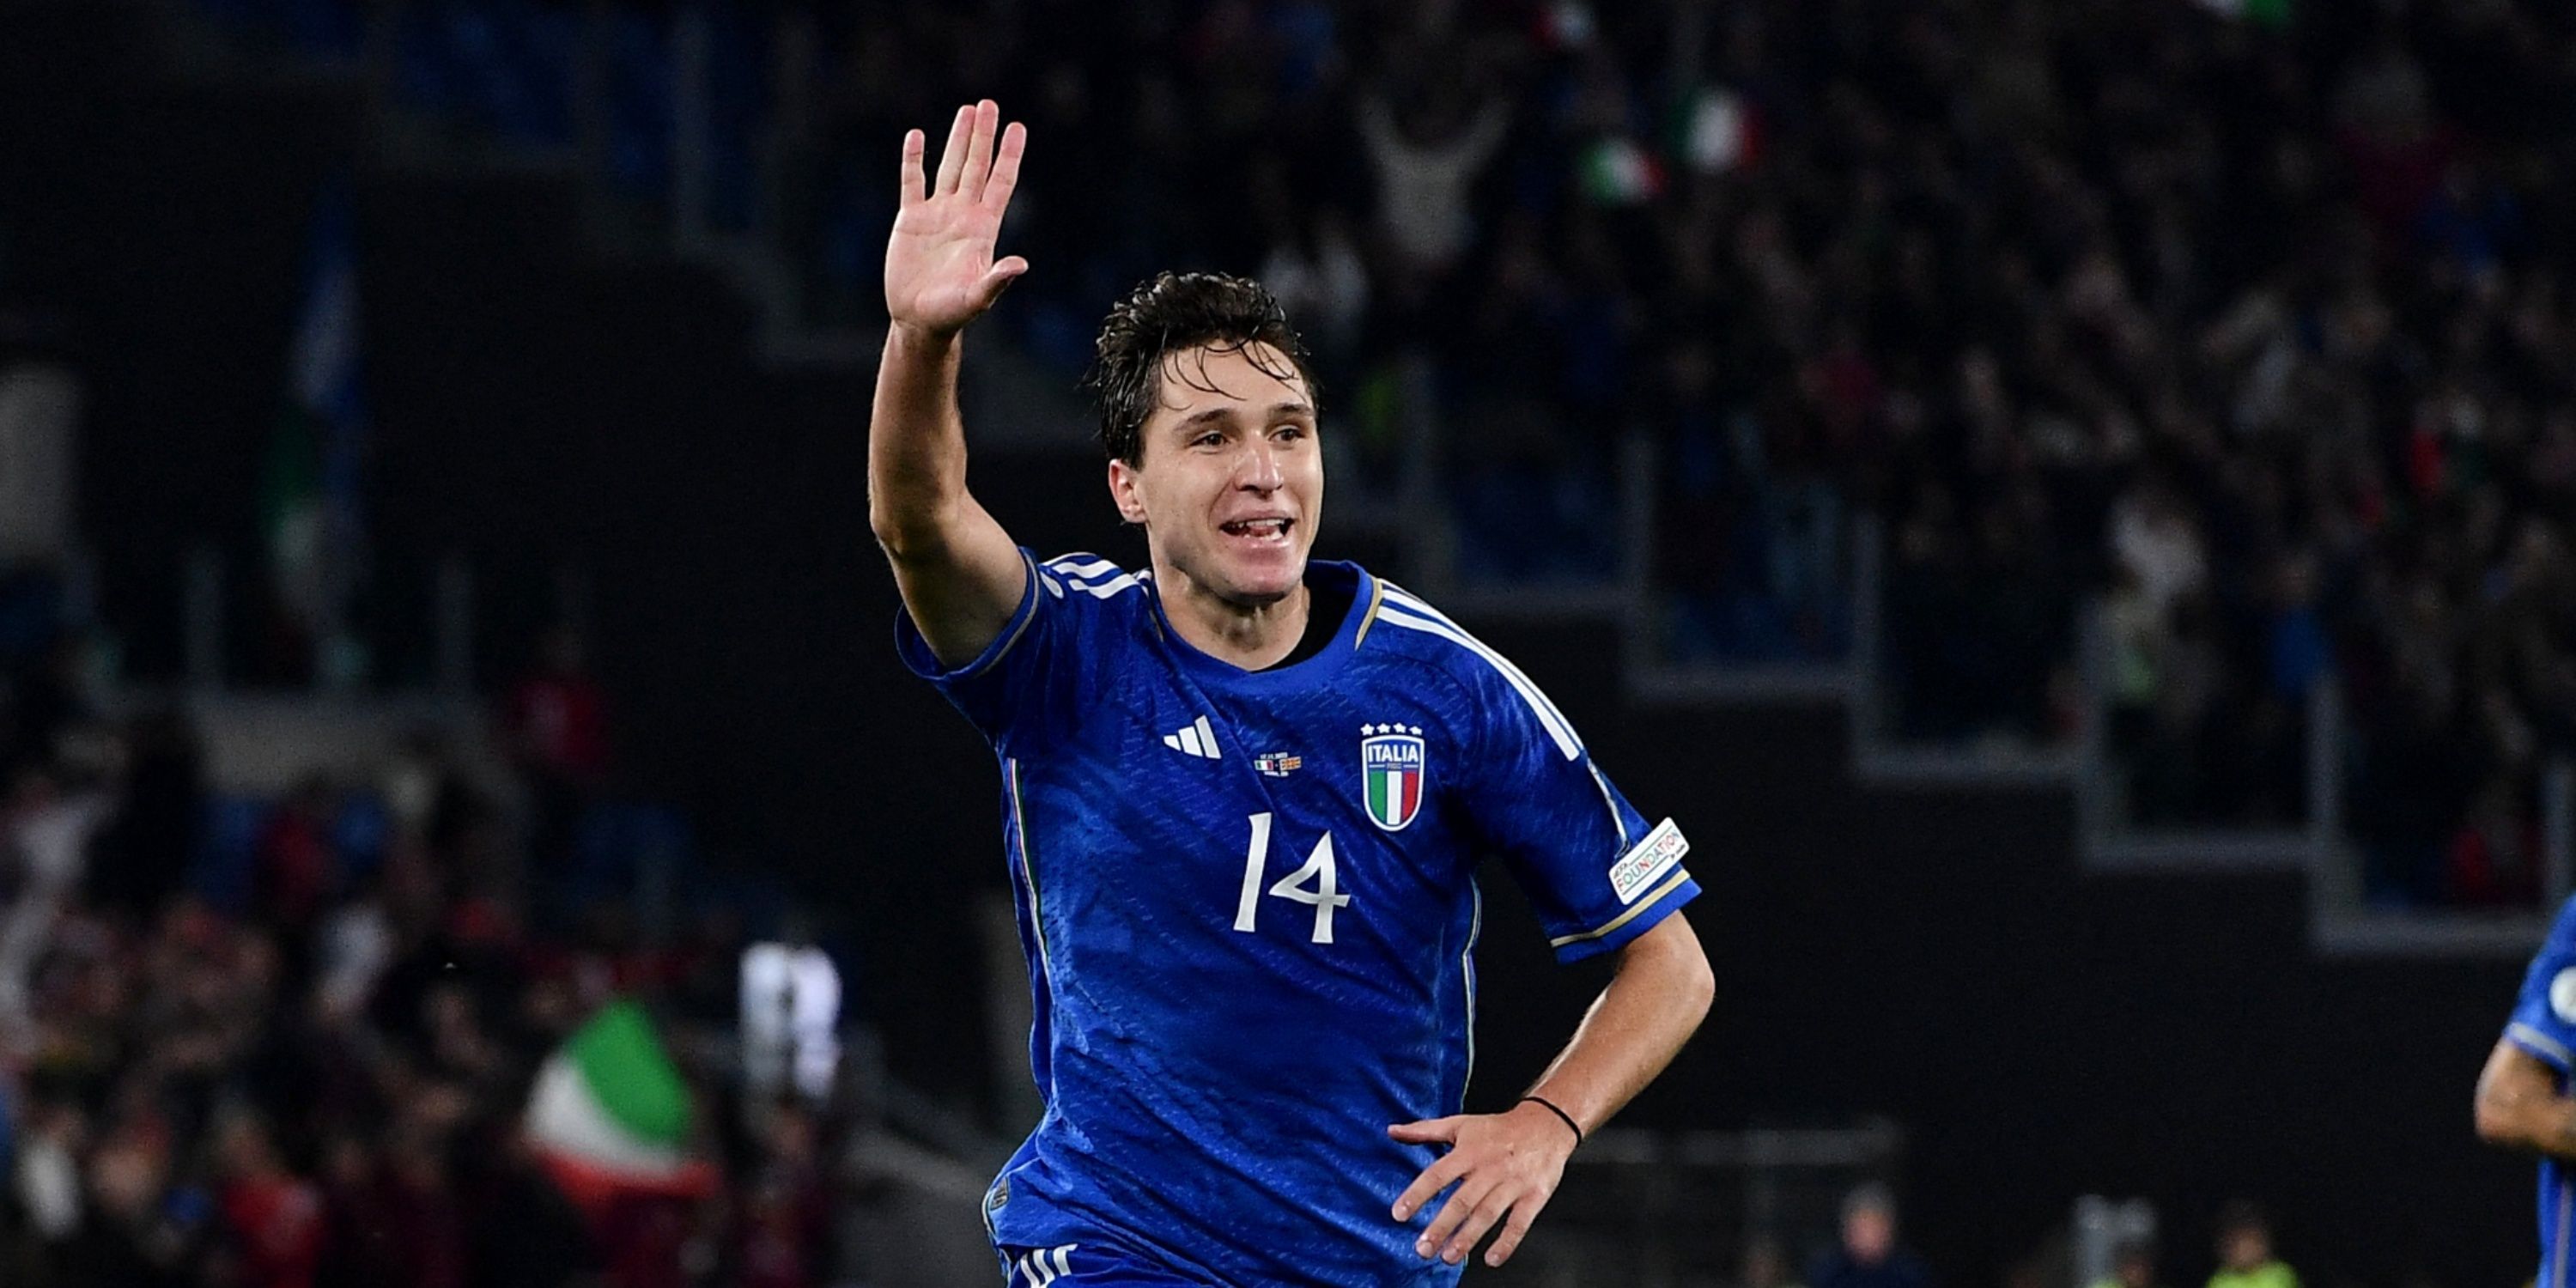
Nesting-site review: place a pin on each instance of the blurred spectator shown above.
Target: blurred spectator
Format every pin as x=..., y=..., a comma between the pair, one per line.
x=791, y=1012
x=296, y=864
x=2245, y=1257
x=272, y=1217
x=1869, y=1255
x=1765, y=1265
x=1426, y=161
x=141, y=856
x=2133, y=1265
x=557, y=720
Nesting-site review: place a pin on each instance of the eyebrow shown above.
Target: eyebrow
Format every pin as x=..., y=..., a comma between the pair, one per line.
x=1221, y=413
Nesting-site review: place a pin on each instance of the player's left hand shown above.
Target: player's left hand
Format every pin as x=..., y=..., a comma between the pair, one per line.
x=1506, y=1163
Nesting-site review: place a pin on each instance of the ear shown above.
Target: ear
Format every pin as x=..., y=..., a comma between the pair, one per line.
x=1127, y=492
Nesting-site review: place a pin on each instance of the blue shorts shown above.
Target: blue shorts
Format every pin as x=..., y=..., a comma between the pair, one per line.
x=1093, y=1265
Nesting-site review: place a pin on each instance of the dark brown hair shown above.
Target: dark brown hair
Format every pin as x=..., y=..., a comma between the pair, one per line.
x=1168, y=316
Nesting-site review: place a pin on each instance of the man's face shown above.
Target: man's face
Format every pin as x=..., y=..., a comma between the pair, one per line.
x=2245, y=1247
x=1232, y=480
x=1869, y=1234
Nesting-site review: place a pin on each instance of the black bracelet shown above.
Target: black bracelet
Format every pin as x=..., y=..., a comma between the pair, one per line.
x=1570, y=1124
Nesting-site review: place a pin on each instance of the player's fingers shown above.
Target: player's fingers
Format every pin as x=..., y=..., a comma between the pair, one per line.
x=1524, y=1215
x=1454, y=1212
x=1006, y=167
x=952, y=156
x=1425, y=1132
x=979, y=149
x=1496, y=1203
x=1434, y=1179
x=913, y=189
x=999, y=277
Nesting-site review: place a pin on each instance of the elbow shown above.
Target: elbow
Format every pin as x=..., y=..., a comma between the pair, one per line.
x=888, y=532
x=907, y=528
x=900, y=535
x=1697, y=990
x=2494, y=1125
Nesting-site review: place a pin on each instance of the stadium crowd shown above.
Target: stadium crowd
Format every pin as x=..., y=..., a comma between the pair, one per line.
x=2250, y=326
x=2251, y=330
x=307, y=1062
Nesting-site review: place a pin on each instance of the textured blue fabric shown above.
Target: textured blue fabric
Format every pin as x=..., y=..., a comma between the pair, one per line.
x=2544, y=1024
x=1221, y=1047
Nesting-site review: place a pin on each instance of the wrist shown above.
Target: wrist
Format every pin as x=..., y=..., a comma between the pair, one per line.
x=927, y=341
x=1549, y=1110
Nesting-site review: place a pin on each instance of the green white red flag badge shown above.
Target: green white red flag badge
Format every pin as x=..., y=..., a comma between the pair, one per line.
x=1393, y=769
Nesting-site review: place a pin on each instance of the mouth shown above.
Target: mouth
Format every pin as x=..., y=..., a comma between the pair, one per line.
x=1259, y=532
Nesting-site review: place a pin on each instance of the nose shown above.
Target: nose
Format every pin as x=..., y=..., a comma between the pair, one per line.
x=1259, y=471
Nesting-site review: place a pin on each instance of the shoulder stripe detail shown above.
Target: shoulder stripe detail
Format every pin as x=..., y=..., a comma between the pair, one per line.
x=2540, y=1043
x=1548, y=716
x=1377, y=598
x=1082, y=566
x=1670, y=885
x=1399, y=597
x=1105, y=589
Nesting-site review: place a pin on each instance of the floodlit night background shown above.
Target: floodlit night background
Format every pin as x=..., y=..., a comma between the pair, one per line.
x=2068, y=503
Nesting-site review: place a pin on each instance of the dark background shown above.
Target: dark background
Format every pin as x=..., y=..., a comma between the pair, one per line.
x=1935, y=955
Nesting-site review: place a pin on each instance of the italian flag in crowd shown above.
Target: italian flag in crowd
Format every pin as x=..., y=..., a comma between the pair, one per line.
x=610, y=1116
x=309, y=483
x=2268, y=13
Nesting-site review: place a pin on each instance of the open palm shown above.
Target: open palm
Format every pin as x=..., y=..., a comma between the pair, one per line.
x=940, y=273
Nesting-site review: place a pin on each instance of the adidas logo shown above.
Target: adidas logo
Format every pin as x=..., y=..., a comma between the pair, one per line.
x=1194, y=739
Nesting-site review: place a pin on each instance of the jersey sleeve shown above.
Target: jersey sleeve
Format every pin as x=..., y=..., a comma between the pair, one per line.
x=1596, y=872
x=1028, y=687
x=2544, y=1017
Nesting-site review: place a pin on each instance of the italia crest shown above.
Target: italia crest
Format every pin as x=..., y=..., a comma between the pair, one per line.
x=1392, y=767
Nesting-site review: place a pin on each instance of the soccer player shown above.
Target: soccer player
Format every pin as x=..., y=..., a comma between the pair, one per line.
x=2522, y=1100
x=1243, y=794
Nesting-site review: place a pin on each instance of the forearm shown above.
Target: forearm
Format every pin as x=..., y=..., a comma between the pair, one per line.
x=916, y=440
x=1634, y=1028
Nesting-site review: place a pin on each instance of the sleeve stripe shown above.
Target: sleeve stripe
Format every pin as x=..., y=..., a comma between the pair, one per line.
x=1671, y=884
x=1412, y=603
x=1616, y=819
x=1027, y=613
x=2540, y=1043
x=1557, y=728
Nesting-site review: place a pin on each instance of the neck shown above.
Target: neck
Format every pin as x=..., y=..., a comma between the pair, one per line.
x=1251, y=636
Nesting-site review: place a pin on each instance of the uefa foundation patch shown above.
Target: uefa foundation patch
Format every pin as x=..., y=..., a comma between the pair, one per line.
x=1649, y=860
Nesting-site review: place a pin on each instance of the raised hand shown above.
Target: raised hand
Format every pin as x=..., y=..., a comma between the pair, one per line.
x=940, y=273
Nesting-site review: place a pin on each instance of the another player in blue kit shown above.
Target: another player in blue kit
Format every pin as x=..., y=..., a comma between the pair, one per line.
x=1244, y=797
x=2523, y=1100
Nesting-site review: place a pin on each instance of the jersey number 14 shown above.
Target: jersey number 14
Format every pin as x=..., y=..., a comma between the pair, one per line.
x=1324, y=895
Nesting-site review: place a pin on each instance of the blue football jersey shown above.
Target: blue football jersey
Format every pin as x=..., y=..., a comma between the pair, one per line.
x=2544, y=1024
x=1249, y=908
